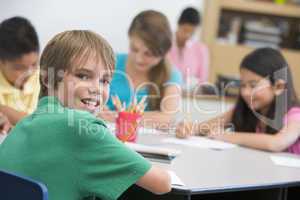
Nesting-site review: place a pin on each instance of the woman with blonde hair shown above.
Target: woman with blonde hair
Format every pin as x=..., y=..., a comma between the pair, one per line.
x=145, y=71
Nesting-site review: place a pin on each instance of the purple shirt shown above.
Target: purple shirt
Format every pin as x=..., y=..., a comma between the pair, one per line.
x=293, y=115
x=192, y=61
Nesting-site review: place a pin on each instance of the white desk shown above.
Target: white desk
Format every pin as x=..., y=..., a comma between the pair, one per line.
x=206, y=171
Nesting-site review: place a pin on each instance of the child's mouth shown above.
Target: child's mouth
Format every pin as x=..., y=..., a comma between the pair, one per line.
x=90, y=104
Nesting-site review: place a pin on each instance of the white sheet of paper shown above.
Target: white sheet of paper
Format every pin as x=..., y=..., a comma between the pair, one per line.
x=144, y=130
x=175, y=180
x=153, y=149
x=285, y=161
x=200, y=142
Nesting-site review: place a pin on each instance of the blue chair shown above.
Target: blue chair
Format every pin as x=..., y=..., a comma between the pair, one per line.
x=14, y=187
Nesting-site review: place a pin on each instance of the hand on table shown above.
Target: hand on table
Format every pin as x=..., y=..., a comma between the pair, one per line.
x=185, y=129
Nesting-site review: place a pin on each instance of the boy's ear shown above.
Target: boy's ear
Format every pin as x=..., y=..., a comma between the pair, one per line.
x=44, y=79
x=279, y=86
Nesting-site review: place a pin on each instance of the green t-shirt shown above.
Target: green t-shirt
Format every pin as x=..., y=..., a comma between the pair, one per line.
x=72, y=153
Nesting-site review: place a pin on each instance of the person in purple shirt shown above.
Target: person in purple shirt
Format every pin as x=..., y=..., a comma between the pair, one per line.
x=266, y=115
x=190, y=56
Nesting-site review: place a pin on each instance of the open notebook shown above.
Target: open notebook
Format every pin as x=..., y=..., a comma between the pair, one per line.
x=154, y=152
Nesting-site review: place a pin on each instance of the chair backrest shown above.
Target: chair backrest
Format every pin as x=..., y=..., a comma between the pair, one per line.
x=15, y=187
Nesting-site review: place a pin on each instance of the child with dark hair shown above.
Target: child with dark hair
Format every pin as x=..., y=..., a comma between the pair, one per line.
x=267, y=113
x=190, y=16
x=190, y=56
x=19, y=77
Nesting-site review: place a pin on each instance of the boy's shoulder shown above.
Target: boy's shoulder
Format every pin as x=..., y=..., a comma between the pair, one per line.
x=86, y=124
x=57, y=118
x=77, y=117
x=71, y=119
x=84, y=118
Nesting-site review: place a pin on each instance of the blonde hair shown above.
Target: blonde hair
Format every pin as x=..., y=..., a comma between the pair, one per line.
x=153, y=28
x=73, y=47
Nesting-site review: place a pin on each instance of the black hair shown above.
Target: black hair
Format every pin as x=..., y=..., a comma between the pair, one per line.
x=268, y=63
x=190, y=16
x=17, y=37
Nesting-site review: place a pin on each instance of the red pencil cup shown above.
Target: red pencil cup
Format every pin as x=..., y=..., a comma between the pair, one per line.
x=127, y=125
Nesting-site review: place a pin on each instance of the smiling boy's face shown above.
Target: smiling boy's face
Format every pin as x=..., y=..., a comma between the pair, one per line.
x=86, y=87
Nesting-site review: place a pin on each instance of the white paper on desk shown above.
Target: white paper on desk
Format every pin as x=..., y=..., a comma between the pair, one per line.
x=286, y=161
x=153, y=149
x=201, y=142
x=143, y=130
x=175, y=180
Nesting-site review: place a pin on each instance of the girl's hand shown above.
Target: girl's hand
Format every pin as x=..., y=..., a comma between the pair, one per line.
x=184, y=129
x=215, y=136
x=217, y=133
x=5, y=125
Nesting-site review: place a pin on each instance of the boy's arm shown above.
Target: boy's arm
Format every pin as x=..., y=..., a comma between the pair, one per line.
x=120, y=168
x=156, y=180
x=13, y=115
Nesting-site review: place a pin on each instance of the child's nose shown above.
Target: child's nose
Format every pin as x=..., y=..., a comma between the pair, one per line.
x=139, y=57
x=95, y=88
x=246, y=92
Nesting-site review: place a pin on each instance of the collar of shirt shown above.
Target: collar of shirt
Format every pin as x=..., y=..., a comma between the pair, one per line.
x=51, y=104
x=49, y=100
x=189, y=43
x=29, y=87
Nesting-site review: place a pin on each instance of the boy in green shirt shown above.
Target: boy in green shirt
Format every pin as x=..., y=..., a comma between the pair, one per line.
x=63, y=144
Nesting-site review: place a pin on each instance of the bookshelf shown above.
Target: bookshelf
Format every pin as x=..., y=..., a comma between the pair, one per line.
x=226, y=56
x=261, y=7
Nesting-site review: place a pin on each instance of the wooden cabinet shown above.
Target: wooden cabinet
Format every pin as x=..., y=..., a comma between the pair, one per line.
x=226, y=57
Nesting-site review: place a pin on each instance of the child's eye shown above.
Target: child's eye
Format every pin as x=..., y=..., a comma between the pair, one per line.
x=134, y=50
x=253, y=85
x=104, y=82
x=82, y=76
x=148, y=54
x=243, y=85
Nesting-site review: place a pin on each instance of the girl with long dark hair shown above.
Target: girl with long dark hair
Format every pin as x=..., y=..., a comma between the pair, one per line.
x=267, y=113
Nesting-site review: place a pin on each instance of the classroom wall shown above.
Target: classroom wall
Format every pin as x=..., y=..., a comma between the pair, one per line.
x=110, y=18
